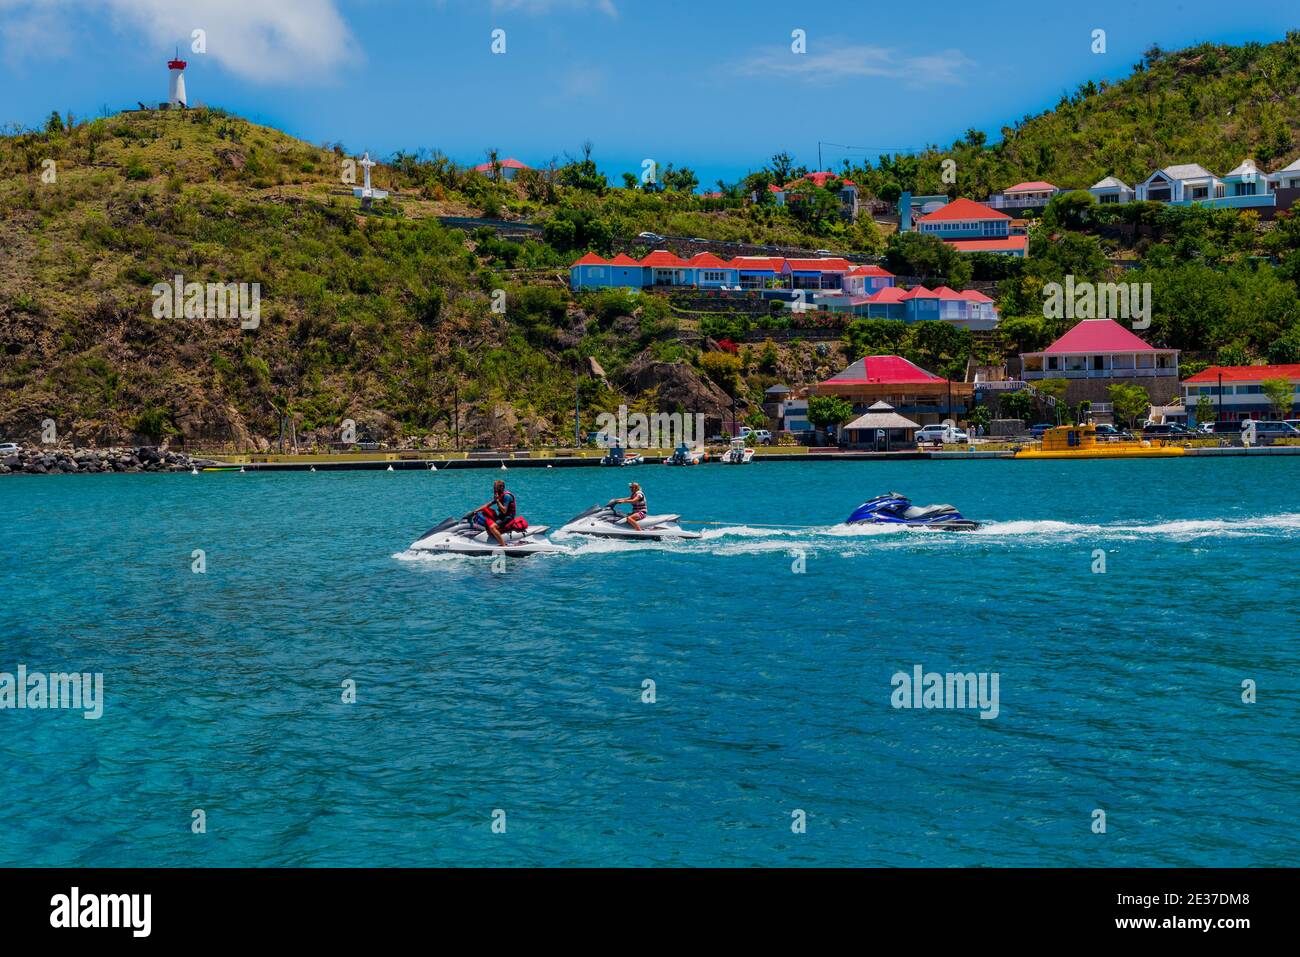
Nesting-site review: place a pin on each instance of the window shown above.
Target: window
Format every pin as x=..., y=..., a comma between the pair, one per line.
x=714, y=276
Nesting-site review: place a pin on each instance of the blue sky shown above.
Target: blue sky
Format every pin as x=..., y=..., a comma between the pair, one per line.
x=715, y=86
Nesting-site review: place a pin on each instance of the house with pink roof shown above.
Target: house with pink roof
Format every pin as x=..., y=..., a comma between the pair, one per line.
x=1031, y=195
x=1098, y=353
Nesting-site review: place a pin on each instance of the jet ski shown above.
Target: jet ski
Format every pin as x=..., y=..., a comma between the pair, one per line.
x=896, y=509
x=605, y=521
x=460, y=536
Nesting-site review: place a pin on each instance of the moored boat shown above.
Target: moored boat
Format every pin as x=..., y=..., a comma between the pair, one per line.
x=1081, y=442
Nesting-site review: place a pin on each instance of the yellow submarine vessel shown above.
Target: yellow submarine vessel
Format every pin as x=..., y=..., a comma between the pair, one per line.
x=1080, y=442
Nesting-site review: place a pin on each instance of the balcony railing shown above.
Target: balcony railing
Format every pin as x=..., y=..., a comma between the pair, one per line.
x=1096, y=373
x=998, y=201
x=1230, y=202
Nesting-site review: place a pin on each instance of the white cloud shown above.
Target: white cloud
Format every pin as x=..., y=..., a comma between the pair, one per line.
x=260, y=40
x=833, y=64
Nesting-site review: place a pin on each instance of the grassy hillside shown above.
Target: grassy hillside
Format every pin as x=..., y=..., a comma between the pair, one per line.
x=1211, y=104
x=374, y=318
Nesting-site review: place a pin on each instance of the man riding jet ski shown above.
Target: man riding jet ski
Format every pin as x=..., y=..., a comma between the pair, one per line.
x=605, y=521
x=474, y=533
x=461, y=536
x=895, y=509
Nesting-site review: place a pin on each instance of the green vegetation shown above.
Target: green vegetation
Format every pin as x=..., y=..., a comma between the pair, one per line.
x=824, y=410
x=388, y=318
x=1211, y=104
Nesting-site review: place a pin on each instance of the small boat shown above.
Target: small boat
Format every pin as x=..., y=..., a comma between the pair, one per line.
x=460, y=536
x=897, y=509
x=685, y=455
x=605, y=521
x=1081, y=442
x=617, y=455
x=738, y=454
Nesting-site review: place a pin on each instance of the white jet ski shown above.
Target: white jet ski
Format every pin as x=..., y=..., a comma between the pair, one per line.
x=460, y=536
x=605, y=521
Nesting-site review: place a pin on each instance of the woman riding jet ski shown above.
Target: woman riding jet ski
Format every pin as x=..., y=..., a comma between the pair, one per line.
x=895, y=509
x=605, y=521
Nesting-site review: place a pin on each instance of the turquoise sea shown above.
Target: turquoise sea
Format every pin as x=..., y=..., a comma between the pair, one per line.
x=522, y=692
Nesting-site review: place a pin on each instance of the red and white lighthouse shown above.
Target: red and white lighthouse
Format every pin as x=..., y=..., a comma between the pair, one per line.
x=176, y=84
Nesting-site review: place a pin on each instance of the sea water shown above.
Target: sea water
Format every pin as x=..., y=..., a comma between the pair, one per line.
x=285, y=684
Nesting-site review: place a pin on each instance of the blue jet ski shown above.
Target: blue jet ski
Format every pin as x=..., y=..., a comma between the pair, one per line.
x=896, y=509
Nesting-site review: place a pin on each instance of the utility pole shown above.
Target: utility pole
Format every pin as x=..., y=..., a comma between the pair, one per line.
x=455, y=422
x=577, y=411
x=1219, y=416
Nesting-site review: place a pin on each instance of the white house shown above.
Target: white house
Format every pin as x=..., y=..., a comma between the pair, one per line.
x=1188, y=182
x=1286, y=178
x=1245, y=180
x=1112, y=190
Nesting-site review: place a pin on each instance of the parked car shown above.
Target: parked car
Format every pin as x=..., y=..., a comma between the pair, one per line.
x=1205, y=428
x=698, y=239
x=824, y=252
x=8, y=448
x=762, y=436
x=1166, y=428
x=650, y=237
x=1107, y=431
x=1273, y=429
x=939, y=434
x=1267, y=429
x=1037, y=430
x=1226, y=428
x=1294, y=423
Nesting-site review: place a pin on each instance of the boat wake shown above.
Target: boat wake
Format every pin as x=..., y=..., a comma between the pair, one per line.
x=849, y=540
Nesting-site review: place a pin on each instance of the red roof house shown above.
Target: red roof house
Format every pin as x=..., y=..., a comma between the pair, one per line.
x=963, y=210
x=885, y=370
x=1246, y=373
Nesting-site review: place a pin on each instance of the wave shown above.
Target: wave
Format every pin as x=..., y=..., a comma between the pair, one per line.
x=849, y=540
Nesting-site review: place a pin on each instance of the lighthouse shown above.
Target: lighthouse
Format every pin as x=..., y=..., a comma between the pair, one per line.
x=176, y=84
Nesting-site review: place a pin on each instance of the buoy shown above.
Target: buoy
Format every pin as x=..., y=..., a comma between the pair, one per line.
x=550, y=466
x=503, y=466
x=313, y=468
x=193, y=471
x=389, y=469
x=432, y=467
x=241, y=470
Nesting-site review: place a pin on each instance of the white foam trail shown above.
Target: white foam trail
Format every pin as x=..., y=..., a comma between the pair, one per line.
x=851, y=540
